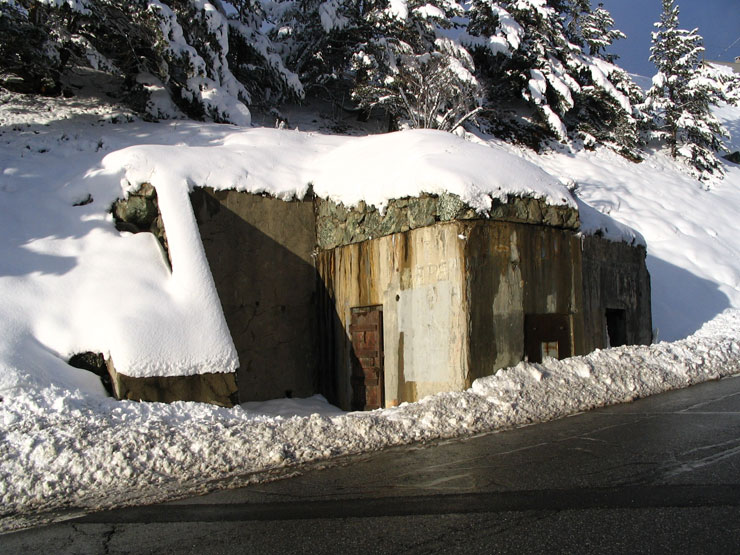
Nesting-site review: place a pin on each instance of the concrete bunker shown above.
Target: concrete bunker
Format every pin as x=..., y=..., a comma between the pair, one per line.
x=373, y=309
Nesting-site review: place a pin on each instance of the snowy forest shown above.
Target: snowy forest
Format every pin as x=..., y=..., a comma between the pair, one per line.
x=528, y=71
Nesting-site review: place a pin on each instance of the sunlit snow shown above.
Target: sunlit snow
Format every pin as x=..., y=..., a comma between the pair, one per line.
x=70, y=282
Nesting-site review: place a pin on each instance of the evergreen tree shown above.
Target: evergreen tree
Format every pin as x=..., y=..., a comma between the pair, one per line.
x=524, y=50
x=24, y=61
x=681, y=94
x=409, y=68
x=598, y=33
x=391, y=55
x=316, y=38
x=573, y=12
x=212, y=58
x=724, y=81
x=592, y=30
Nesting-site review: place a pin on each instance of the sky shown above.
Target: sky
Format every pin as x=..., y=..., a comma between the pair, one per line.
x=718, y=22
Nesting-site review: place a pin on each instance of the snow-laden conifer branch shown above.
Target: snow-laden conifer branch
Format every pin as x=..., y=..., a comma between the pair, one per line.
x=681, y=94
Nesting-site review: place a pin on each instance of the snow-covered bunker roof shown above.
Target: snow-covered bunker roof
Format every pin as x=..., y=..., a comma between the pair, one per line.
x=349, y=171
x=372, y=169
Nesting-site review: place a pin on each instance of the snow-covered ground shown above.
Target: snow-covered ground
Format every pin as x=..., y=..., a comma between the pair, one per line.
x=66, y=450
x=69, y=282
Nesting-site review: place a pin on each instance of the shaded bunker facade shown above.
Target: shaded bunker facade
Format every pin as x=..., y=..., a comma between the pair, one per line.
x=373, y=309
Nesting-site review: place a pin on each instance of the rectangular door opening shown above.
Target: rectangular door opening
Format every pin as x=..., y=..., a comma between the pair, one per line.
x=368, y=377
x=616, y=327
x=547, y=335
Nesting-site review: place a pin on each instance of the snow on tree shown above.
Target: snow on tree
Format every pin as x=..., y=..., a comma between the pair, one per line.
x=392, y=55
x=573, y=13
x=211, y=58
x=24, y=63
x=597, y=29
x=726, y=82
x=425, y=63
x=315, y=37
x=523, y=48
x=681, y=94
x=413, y=71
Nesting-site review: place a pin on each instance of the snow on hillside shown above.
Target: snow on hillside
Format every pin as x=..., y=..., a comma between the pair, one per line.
x=70, y=282
x=692, y=232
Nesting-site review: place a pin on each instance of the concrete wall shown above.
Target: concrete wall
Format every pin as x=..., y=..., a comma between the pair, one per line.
x=214, y=388
x=260, y=250
x=418, y=278
x=615, y=277
x=454, y=298
x=513, y=270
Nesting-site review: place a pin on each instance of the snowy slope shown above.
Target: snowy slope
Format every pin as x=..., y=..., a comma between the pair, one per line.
x=70, y=282
x=691, y=232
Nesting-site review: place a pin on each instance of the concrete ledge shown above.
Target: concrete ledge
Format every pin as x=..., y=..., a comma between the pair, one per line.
x=214, y=388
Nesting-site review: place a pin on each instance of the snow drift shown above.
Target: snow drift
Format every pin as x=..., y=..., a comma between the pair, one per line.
x=68, y=452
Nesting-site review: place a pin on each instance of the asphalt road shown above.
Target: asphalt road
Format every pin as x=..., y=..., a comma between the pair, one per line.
x=660, y=475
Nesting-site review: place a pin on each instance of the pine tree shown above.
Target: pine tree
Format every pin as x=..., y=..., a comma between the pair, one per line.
x=316, y=38
x=391, y=56
x=724, y=81
x=523, y=49
x=680, y=96
x=597, y=29
x=25, y=65
x=211, y=58
x=409, y=68
x=574, y=13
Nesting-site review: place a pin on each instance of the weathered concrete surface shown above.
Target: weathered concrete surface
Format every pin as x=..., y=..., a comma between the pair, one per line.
x=462, y=299
x=260, y=250
x=460, y=291
x=454, y=298
x=216, y=388
x=615, y=277
x=417, y=277
x=515, y=270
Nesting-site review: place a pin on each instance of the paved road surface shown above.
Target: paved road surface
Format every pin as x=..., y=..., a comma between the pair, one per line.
x=660, y=475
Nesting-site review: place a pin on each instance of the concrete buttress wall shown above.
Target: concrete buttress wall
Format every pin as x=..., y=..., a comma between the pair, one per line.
x=513, y=270
x=615, y=276
x=260, y=250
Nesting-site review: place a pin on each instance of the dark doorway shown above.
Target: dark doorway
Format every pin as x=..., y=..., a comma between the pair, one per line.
x=366, y=331
x=616, y=327
x=547, y=335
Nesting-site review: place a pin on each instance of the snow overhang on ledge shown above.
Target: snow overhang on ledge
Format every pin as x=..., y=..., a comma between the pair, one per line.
x=346, y=170
x=597, y=224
